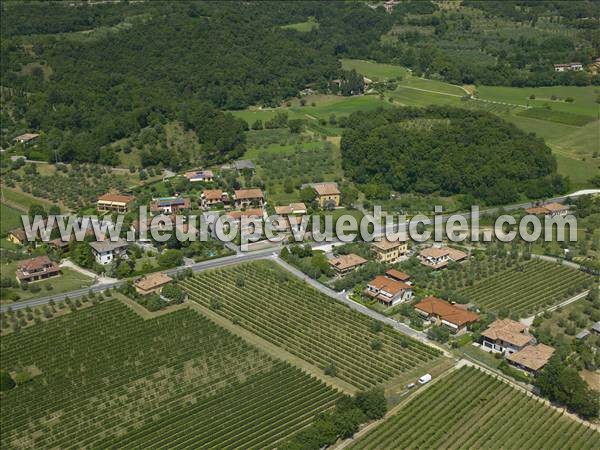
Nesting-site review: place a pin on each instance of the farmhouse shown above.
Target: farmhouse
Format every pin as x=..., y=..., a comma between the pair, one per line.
x=505, y=336
x=549, y=209
x=439, y=257
x=153, y=283
x=27, y=138
x=574, y=66
x=328, y=194
x=211, y=197
x=17, y=236
x=200, y=176
x=532, y=358
x=398, y=276
x=107, y=251
x=389, y=292
x=346, y=263
x=247, y=197
x=390, y=252
x=442, y=312
x=38, y=268
x=169, y=205
x=292, y=208
x=114, y=203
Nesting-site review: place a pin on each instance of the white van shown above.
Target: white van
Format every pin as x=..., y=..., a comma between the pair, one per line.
x=425, y=379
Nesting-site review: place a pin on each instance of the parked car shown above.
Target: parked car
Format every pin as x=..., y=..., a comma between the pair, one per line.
x=410, y=385
x=425, y=379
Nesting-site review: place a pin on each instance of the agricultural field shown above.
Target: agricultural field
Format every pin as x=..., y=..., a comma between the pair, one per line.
x=525, y=288
x=115, y=380
x=274, y=305
x=303, y=27
x=10, y=218
x=471, y=409
x=567, y=118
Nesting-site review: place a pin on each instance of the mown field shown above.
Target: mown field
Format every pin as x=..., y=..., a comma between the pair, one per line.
x=10, y=218
x=103, y=377
x=471, y=409
x=269, y=302
x=526, y=288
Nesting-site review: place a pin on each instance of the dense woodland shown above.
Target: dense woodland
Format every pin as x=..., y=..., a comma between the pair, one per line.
x=89, y=75
x=450, y=151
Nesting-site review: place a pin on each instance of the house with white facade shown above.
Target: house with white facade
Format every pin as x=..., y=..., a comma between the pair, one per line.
x=105, y=252
x=506, y=336
x=389, y=292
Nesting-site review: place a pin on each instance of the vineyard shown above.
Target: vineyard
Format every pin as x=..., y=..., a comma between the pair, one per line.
x=470, y=409
x=269, y=302
x=526, y=288
x=103, y=377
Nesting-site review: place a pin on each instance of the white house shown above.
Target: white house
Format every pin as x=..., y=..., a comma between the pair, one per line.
x=506, y=336
x=389, y=292
x=107, y=251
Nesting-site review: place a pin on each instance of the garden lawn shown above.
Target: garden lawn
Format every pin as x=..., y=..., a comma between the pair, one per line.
x=69, y=280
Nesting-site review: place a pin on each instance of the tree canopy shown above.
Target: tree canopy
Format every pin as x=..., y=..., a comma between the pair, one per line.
x=450, y=151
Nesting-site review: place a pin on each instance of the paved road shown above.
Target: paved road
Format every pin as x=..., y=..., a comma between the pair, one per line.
x=196, y=267
x=342, y=297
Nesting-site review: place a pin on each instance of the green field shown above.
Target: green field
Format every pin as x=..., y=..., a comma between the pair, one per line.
x=567, y=118
x=303, y=27
x=69, y=280
x=471, y=409
x=526, y=288
x=106, y=378
x=24, y=200
x=579, y=172
x=271, y=303
x=375, y=71
x=10, y=218
x=584, y=97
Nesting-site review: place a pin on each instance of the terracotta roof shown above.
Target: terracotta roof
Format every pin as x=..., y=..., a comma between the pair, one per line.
x=386, y=244
x=508, y=331
x=212, y=194
x=446, y=311
x=388, y=285
x=153, y=281
x=249, y=213
x=199, y=174
x=326, y=189
x=536, y=210
x=292, y=208
x=244, y=194
x=555, y=207
x=343, y=262
x=116, y=198
x=35, y=264
x=532, y=357
x=434, y=252
x=456, y=255
x=393, y=273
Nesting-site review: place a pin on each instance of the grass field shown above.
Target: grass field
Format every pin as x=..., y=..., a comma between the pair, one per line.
x=567, y=118
x=272, y=304
x=303, y=27
x=69, y=280
x=10, y=218
x=115, y=380
x=471, y=409
x=375, y=71
x=527, y=287
x=579, y=172
x=23, y=199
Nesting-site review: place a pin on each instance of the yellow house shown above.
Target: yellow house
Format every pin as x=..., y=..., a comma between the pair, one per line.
x=390, y=252
x=114, y=203
x=17, y=236
x=327, y=193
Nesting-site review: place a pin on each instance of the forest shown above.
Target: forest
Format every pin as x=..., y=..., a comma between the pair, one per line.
x=448, y=151
x=89, y=75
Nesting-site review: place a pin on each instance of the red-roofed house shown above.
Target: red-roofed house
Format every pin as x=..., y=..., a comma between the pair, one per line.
x=38, y=268
x=399, y=276
x=387, y=291
x=114, y=203
x=248, y=197
x=442, y=312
